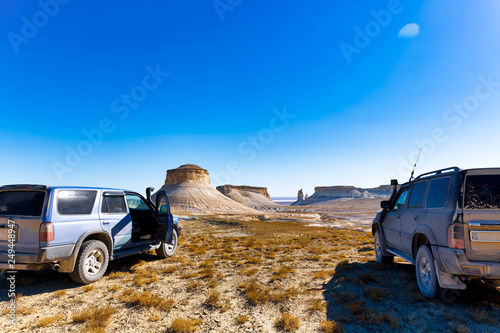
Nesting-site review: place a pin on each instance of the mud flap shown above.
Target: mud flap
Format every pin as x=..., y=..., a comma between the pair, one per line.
x=448, y=281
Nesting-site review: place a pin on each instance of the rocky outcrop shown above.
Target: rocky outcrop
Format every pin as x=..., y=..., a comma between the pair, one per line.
x=187, y=172
x=189, y=190
x=326, y=193
x=253, y=197
x=300, y=195
x=226, y=189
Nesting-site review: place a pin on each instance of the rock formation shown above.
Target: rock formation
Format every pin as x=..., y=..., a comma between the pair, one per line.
x=189, y=190
x=254, y=197
x=300, y=195
x=326, y=193
x=187, y=172
x=226, y=189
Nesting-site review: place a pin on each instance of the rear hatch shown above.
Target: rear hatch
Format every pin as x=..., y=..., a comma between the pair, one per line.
x=22, y=210
x=482, y=214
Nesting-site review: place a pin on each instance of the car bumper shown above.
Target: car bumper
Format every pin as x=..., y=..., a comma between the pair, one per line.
x=35, y=261
x=455, y=262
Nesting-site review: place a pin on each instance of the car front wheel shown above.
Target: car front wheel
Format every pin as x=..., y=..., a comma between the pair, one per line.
x=167, y=250
x=91, y=263
x=379, y=250
x=426, y=273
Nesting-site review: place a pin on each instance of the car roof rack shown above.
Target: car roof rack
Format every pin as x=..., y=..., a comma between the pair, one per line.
x=438, y=172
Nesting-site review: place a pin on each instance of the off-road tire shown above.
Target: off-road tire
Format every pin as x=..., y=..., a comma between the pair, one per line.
x=426, y=273
x=379, y=250
x=91, y=263
x=167, y=250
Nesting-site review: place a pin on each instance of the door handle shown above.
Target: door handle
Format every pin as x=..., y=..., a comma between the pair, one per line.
x=105, y=223
x=415, y=217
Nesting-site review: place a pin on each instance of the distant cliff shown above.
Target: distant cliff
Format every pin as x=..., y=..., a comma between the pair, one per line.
x=326, y=193
x=226, y=189
x=251, y=196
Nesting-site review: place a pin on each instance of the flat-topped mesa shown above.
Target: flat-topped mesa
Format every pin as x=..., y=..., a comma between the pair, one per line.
x=226, y=189
x=352, y=191
x=327, y=193
x=187, y=172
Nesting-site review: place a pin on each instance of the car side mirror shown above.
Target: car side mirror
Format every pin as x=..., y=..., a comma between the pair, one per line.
x=385, y=204
x=163, y=209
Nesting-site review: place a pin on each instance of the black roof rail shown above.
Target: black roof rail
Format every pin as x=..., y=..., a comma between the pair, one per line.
x=24, y=187
x=438, y=172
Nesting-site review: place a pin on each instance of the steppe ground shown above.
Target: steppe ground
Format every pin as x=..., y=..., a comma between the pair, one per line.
x=250, y=276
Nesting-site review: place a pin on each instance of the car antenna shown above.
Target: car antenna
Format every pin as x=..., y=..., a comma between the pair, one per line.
x=413, y=171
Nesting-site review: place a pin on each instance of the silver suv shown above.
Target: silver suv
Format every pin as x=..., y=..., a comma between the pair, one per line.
x=446, y=223
x=78, y=230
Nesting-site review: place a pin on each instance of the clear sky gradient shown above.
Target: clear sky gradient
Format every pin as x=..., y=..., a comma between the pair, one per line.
x=283, y=94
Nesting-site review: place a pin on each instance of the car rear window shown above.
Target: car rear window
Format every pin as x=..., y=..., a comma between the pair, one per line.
x=75, y=202
x=482, y=192
x=438, y=193
x=22, y=203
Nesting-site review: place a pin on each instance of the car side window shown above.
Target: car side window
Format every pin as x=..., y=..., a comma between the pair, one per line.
x=416, y=194
x=112, y=204
x=135, y=202
x=438, y=193
x=401, y=198
x=75, y=202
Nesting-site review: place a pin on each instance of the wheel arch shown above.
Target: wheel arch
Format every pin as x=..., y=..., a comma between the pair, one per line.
x=68, y=266
x=421, y=236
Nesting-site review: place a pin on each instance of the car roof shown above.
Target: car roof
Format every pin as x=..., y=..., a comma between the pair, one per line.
x=45, y=187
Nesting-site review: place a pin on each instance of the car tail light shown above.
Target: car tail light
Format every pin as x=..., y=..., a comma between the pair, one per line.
x=46, y=232
x=456, y=236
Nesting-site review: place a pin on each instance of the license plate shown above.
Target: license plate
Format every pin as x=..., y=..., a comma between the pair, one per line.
x=485, y=236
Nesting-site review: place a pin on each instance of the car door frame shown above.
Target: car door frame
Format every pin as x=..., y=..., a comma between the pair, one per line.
x=410, y=218
x=164, y=219
x=392, y=222
x=114, y=226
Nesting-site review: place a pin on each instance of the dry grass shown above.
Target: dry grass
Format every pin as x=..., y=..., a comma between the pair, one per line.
x=316, y=304
x=330, y=326
x=241, y=319
x=324, y=274
x=46, y=321
x=89, y=287
x=181, y=325
x=193, y=285
x=375, y=293
x=287, y=323
x=145, y=276
x=249, y=271
x=146, y=299
x=255, y=292
x=95, y=318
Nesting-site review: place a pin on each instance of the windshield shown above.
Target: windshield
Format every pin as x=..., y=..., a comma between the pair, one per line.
x=22, y=203
x=482, y=192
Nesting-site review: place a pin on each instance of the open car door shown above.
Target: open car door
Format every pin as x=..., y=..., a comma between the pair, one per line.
x=164, y=219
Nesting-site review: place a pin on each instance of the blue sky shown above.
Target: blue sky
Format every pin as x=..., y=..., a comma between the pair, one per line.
x=265, y=94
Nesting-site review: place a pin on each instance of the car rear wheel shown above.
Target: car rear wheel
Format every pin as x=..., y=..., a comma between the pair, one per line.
x=379, y=250
x=426, y=273
x=91, y=263
x=167, y=250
